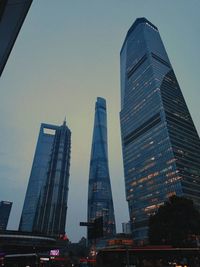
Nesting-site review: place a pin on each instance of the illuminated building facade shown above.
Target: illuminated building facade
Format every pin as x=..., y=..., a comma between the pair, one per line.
x=159, y=141
x=12, y=15
x=45, y=205
x=5, y=208
x=100, y=203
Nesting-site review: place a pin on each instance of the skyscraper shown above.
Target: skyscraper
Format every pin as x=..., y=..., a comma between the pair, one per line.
x=159, y=141
x=5, y=208
x=126, y=228
x=45, y=205
x=100, y=203
x=12, y=15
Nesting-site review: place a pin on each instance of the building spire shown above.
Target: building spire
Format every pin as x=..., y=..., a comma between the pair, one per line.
x=64, y=122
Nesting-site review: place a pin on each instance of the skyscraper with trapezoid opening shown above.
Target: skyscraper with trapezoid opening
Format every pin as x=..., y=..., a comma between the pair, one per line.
x=159, y=141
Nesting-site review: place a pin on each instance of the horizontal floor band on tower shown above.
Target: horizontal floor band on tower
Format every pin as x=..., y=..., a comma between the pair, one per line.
x=146, y=126
x=190, y=192
x=178, y=120
x=136, y=66
x=160, y=60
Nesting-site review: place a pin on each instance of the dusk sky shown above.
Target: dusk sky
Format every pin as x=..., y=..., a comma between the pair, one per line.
x=67, y=54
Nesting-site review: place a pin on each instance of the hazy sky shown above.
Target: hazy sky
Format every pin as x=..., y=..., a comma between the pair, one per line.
x=66, y=55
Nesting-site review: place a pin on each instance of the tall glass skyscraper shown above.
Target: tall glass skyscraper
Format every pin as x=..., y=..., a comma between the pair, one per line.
x=45, y=205
x=100, y=203
x=159, y=141
x=12, y=16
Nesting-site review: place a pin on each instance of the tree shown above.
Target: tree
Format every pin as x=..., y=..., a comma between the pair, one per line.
x=174, y=223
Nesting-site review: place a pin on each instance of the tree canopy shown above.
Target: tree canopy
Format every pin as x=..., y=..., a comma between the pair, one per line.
x=174, y=223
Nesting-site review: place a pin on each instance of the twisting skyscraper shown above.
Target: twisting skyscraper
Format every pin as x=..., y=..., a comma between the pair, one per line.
x=45, y=205
x=100, y=203
x=159, y=140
